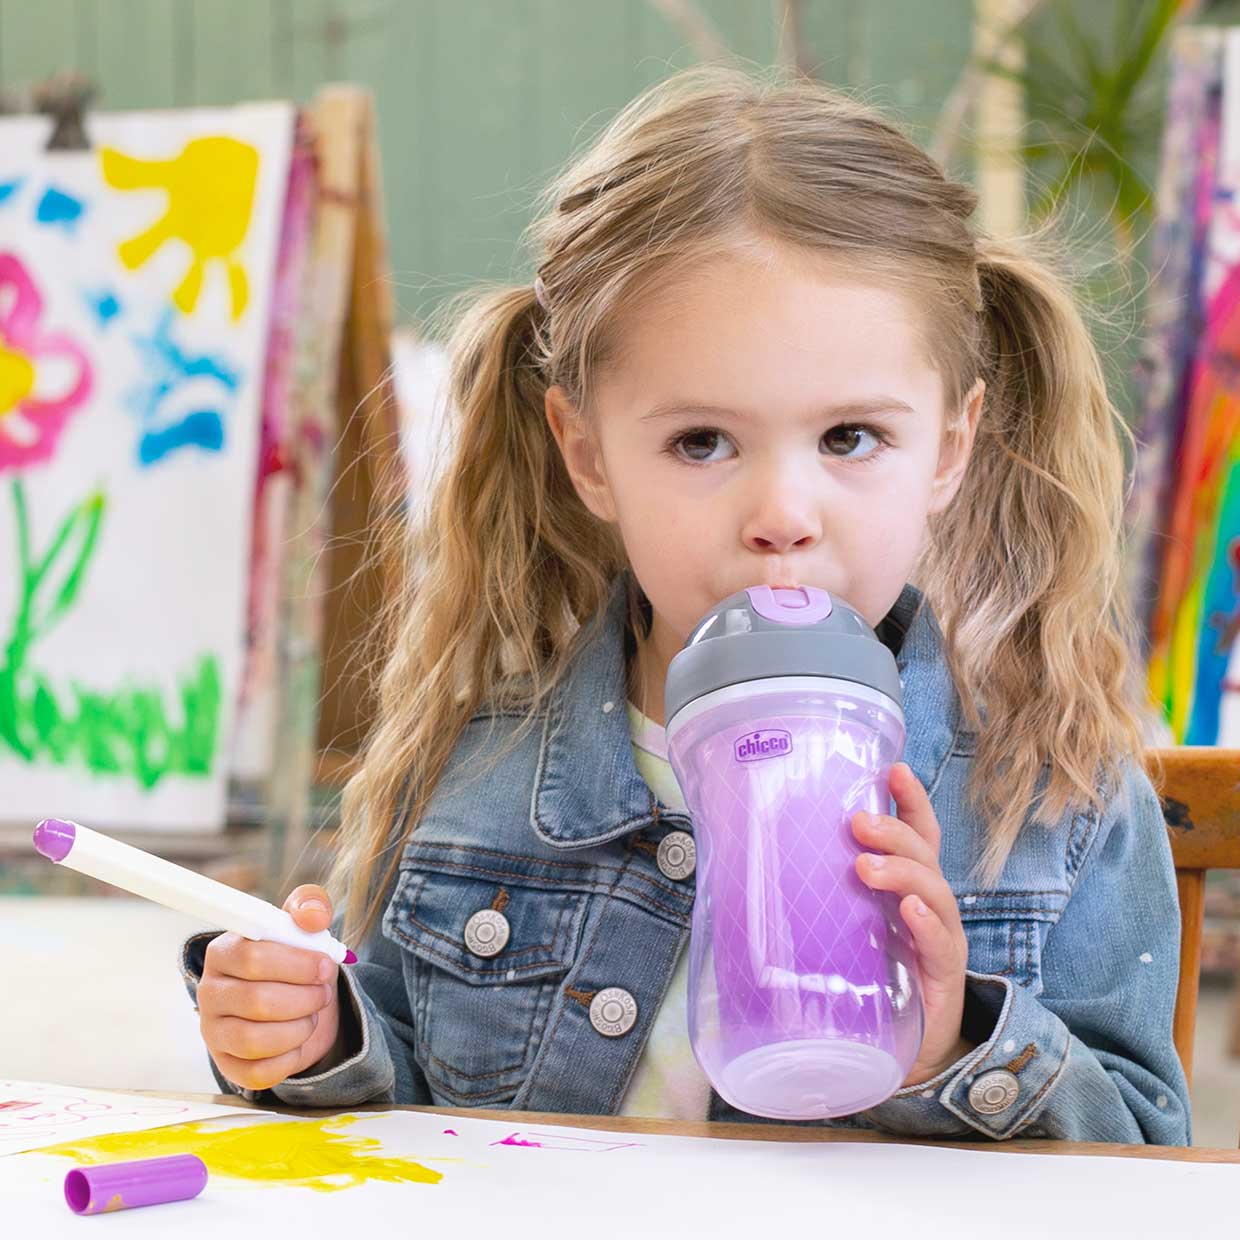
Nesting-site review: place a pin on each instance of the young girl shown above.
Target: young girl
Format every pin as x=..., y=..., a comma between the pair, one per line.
x=765, y=345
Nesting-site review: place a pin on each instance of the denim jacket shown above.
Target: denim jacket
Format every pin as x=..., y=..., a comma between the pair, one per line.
x=1073, y=955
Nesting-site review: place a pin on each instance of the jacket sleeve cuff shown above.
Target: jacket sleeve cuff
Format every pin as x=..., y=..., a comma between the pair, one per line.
x=368, y=1075
x=1000, y=1086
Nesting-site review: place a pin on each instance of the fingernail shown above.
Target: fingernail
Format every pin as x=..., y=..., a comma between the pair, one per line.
x=314, y=1019
x=862, y=819
x=876, y=863
x=328, y=995
x=325, y=969
x=920, y=909
x=312, y=906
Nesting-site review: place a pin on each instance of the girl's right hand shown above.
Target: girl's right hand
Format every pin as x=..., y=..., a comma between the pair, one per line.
x=268, y=1011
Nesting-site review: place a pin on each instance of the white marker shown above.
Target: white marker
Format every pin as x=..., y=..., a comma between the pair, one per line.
x=175, y=887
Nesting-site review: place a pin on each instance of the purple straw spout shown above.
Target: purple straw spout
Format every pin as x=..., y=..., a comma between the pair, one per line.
x=54, y=838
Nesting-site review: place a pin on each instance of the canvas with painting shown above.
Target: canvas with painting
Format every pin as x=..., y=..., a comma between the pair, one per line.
x=135, y=291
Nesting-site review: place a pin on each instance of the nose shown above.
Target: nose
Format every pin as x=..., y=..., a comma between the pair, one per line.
x=783, y=519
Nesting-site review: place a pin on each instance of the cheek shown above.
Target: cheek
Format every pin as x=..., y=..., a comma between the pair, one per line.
x=662, y=532
x=890, y=537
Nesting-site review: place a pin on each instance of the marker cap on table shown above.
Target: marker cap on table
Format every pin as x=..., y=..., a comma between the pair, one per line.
x=126, y=1185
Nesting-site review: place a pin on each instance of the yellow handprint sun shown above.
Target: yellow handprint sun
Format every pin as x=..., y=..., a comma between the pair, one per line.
x=210, y=187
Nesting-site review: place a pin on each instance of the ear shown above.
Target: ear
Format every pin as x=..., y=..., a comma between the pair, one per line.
x=956, y=448
x=582, y=456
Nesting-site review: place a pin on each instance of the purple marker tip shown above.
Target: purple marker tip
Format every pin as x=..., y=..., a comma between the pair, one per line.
x=350, y=956
x=54, y=838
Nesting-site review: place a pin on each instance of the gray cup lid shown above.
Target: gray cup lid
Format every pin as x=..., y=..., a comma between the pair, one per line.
x=762, y=632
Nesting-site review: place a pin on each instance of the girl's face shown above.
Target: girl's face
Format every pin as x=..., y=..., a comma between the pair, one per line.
x=767, y=424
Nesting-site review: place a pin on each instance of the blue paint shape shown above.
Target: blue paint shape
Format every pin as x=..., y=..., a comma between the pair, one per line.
x=8, y=189
x=200, y=429
x=165, y=427
x=57, y=209
x=105, y=306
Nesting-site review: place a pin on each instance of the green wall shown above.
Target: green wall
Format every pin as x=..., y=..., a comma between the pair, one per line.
x=479, y=100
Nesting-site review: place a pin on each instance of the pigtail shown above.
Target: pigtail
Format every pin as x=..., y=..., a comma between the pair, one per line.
x=506, y=565
x=1039, y=635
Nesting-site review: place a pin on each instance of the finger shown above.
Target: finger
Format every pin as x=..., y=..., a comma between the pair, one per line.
x=253, y=1039
x=229, y=996
x=310, y=906
x=913, y=804
x=257, y=961
x=905, y=877
x=891, y=835
x=938, y=952
x=258, y=1073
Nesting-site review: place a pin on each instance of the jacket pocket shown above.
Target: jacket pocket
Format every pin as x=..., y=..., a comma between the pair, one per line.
x=479, y=1017
x=1007, y=930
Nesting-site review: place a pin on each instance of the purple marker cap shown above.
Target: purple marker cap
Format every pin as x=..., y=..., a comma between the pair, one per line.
x=124, y=1185
x=54, y=838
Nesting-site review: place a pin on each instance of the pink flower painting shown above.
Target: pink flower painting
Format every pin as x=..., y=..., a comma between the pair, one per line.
x=44, y=376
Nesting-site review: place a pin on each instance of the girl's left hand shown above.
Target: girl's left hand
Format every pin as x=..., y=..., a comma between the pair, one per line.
x=906, y=861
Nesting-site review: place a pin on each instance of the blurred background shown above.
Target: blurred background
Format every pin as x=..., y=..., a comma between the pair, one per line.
x=1058, y=112
x=480, y=102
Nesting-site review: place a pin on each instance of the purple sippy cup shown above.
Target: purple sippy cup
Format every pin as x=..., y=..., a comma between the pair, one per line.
x=783, y=720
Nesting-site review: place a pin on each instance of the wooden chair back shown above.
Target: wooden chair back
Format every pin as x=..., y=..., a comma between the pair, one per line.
x=1200, y=792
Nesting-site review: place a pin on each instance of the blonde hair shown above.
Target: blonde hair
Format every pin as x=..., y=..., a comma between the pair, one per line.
x=1021, y=570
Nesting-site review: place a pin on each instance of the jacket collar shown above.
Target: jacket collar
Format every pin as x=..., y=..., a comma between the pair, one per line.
x=587, y=789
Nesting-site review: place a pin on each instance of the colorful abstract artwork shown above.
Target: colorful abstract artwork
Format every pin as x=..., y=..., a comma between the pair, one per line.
x=135, y=299
x=1185, y=504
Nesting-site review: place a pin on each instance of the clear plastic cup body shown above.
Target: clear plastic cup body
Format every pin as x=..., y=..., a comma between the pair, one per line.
x=804, y=999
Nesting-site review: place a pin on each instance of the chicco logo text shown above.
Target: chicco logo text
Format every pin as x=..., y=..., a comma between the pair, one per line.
x=754, y=746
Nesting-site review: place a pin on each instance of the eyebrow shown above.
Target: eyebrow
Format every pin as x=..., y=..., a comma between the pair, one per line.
x=864, y=407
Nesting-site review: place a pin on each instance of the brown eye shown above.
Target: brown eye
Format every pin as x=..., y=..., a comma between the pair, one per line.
x=842, y=440
x=697, y=445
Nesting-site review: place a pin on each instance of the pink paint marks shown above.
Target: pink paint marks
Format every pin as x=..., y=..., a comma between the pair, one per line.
x=564, y=1141
x=31, y=417
x=448, y=1132
x=14, y=1105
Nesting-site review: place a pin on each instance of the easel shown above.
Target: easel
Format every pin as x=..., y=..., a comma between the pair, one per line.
x=330, y=600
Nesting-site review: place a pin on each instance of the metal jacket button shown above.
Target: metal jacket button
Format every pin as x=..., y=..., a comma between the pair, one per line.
x=613, y=1012
x=486, y=933
x=993, y=1092
x=677, y=855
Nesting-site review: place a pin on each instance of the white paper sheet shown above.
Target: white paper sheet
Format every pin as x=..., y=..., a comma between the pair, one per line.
x=35, y=1114
x=544, y=1182
x=135, y=285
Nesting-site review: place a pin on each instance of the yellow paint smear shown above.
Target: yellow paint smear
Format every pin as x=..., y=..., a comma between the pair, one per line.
x=291, y=1153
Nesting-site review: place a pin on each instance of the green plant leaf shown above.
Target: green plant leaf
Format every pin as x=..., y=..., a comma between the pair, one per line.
x=75, y=543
